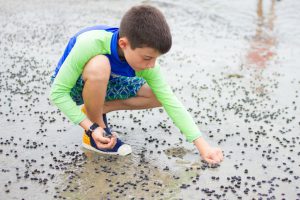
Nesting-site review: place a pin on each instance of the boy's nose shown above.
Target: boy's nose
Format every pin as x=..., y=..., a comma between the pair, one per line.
x=151, y=64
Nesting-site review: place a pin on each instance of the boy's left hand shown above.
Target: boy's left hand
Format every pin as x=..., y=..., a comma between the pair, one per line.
x=210, y=154
x=213, y=155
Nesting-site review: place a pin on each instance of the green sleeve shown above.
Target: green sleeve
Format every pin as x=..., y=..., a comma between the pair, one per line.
x=176, y=111
x=87, y=46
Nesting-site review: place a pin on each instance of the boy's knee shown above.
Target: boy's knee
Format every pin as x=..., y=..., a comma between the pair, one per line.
x=97, y=69
x=147, y=92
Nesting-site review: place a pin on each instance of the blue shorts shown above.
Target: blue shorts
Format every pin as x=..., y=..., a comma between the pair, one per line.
x=119, y=87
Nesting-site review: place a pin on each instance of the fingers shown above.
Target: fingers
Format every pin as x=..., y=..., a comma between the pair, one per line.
x=220, y=154
x=113, y=141
x=108, y=144
x=104, y=140
x=98, y=136
x=215, y=157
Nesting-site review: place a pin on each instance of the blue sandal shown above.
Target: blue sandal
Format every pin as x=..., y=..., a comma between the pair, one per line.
x=119, y=149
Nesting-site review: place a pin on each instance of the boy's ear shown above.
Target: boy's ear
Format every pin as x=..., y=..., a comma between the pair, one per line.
x=123, y=42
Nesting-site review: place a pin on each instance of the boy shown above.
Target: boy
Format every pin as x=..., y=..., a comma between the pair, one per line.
x=109, y=69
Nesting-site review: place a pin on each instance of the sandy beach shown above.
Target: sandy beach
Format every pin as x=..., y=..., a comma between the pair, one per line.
x=233, y=64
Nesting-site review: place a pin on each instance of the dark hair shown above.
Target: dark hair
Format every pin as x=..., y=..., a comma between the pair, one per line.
x=145, y=26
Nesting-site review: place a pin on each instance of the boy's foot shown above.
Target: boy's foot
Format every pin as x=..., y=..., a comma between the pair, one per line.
x=119, y=149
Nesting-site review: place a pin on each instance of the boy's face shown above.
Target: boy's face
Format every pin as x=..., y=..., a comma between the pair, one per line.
x=139, y=58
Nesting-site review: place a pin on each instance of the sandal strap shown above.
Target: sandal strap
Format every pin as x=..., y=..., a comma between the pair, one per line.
x=107, y=129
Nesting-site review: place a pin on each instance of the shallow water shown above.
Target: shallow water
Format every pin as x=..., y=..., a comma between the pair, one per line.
x=235, y=67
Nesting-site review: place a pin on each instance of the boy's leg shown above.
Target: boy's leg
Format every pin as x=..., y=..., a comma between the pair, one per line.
x=95, y=75
x=144, y=99
x=93, y=86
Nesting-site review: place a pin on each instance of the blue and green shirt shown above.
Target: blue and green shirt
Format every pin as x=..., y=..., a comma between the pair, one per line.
x=103, y=40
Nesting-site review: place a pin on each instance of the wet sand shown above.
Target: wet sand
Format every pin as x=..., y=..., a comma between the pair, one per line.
x=234, y=65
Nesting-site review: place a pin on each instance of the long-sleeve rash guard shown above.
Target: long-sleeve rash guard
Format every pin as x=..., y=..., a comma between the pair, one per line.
x=102, y=40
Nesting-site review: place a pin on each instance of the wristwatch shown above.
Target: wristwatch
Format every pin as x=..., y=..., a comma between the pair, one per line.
x=91, y=129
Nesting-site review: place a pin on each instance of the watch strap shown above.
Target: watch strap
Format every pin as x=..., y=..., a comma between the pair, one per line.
x=91, y=129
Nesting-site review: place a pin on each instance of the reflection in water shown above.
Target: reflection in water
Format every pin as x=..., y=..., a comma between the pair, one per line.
x=262, y=46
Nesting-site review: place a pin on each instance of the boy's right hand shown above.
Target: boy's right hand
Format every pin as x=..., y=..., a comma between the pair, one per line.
x=103, y=142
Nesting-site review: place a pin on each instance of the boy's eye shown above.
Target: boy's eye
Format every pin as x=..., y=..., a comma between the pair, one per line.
x=147, y=58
